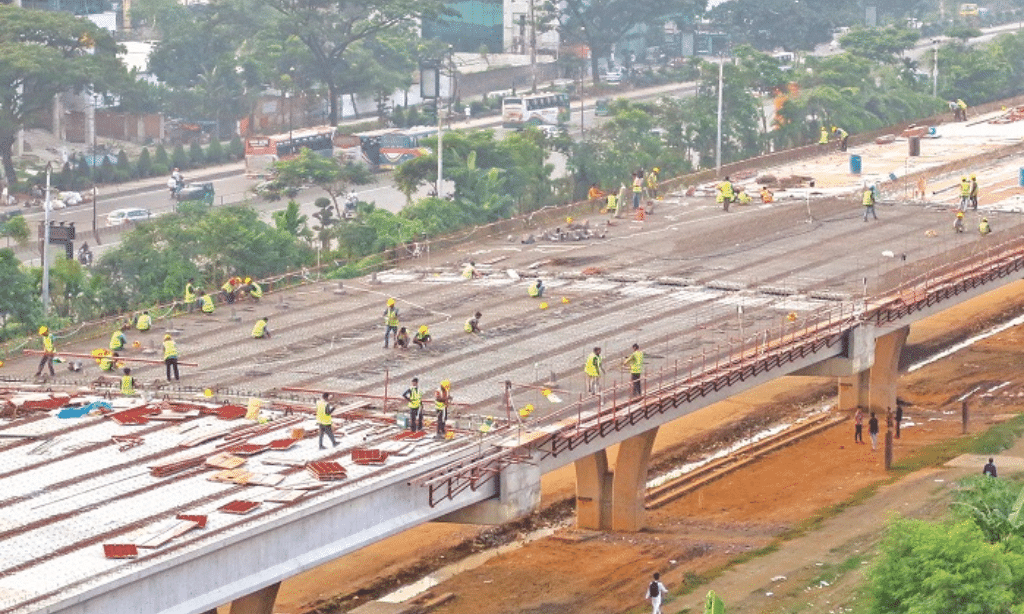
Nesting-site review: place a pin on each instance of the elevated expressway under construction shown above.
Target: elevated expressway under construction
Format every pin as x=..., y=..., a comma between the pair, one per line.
x=720, y=302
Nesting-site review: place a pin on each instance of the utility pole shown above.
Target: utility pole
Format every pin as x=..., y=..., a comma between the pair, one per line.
x=533, y=48
x=718, y=141
x=935, y=68
x=46, y=244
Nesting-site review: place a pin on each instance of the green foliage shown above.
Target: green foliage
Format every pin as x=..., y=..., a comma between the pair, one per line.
x=883, y=45
x=326, y=173
x=144, y=165
x=106, y=174
x=963, y=32
x=16, y=228
x=19, y=309
x=161, y=157
x=292, y=222
x=179, y=159
x=235, y=148
x=124, y=167
x=999, y=437
x=771, y=24
x=196, y=157
x=214, y=153
x=935, y=568
x=990, y=504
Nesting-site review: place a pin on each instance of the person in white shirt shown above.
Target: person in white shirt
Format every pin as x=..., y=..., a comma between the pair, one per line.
x=655, y=591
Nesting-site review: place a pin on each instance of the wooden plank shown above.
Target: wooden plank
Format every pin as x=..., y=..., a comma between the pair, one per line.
x=179, y=527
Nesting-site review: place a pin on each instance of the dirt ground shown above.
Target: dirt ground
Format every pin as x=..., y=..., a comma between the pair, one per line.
x=576, y=571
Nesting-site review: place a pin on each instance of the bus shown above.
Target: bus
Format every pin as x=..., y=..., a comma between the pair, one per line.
x=262, y=151
x=534, y=110
x=403, y=145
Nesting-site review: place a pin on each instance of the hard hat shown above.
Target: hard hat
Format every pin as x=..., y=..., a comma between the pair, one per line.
x=835, y=128
x=568, y=220
x=207, y=393
x=543, y=305
x=984, y=219
x=964, y=178
x=391, y=301
x=423, y=328
x=166, y=337
x=248, y=279
x=445, y=383
x=43, y=330
x=657, y=170
x=565, y=299
x=973, y=176
x=959, y=213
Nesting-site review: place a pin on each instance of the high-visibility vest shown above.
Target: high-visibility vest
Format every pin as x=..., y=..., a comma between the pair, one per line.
x=207, y=303
x=468, y=271
x=415, y=398
x=228, y=287
x=637, y=185
x=725, y=188
x=145, y=322
x=117, y=340
x=868, y=198
x=48, y=344
x=593, y=366
x=824, y=136
x=255, y=290
x=652, y=180
x=422, y=334
x=613, y=202
x=842, y=133
x=190, y=293
x=127, y=385
x=534, y=290
x=259, y=328
x=468, y=327
x=441, y=399
x=974, y=188
x=965, y=188
x=984, y=228
x=322, y=417
x=107, y=363
x=170, y=350
x=391, y=316
x=636, y=362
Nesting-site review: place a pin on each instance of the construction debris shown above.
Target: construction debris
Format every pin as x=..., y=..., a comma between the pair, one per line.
x=224, y=460
x=120, y=551
x=170, y=468
x=239, y=507
x=369, y=456
x=127, y=441
x=326, y=470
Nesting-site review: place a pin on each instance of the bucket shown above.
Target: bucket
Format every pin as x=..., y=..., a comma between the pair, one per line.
x=855, y=164
x=1021, y=178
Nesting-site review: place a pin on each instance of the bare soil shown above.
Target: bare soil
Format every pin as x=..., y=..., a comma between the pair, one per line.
x=766, y=503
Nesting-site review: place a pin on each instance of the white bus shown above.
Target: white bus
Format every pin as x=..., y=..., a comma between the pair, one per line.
x=534, y=110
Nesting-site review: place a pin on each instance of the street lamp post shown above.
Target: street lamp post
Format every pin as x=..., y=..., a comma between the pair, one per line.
x=46, y=244
x=935, y=68
x=718, y=141
x=95, y=192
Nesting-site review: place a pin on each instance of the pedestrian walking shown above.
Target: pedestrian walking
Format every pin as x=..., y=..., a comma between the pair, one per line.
x=873, y=431
x=655, y=592
x=324, y=421
x=593, y=371
x=49, y=351
x=442, y=400
x=635, y=361
x=868, y=200
x=390, y=321
x=171, y=357
x=899, y=418
x=415, y=400
x=890, y=419
x=858, y=426
x=990, y=469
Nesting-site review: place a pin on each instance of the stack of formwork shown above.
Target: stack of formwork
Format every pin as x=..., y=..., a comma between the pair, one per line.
x=326, y=470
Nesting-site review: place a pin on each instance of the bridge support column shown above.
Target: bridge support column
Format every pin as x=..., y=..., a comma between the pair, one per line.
x=614, y=500
x=260, y=602
x=885, y=371
x=853, y=391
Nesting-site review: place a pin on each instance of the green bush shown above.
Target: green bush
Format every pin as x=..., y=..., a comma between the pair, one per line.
x=214, y=153
x=124, y=167
x=196, y=157
x=158, y=170
x=121, y=176
x=106, y=174
x=144, y=165
x=179, y=159
x=235, y=148
x=160, y=157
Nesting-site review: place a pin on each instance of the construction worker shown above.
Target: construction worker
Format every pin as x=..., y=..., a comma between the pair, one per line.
x=230, y=289
x=190, y=294
x=442, y=399
x=974, y=192
x=984, y=228
x=635, y=361
x=259, y=330
x=767, y=196
x=958, y=224
x=469, y=270
x=145, y=322
x=324, y=420
x=868, y=200
x=536, y=289
x=965, y=193
x=652, y=183
x=109, y=362
x=594, y=192
x=415, y=399
x=620, y=199
x=402, y=339
x=843, y=136
x=207, y=302
x=49, y=351
x=473, y=324
x=638, y=187
x=593, y=370
x=961, y=108
x=422, y=337
x=118, y=341
x=823, y=137
x=726, y=195
x=742, y=197
x=390, y=321
x=613, y=204
x=127, y=383
x=254, y=288
x=171, y=357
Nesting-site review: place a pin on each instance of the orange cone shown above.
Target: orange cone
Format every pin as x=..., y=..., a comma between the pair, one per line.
x=640, y=214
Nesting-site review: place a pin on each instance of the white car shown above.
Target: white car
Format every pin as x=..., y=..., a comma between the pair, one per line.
x=118, y=217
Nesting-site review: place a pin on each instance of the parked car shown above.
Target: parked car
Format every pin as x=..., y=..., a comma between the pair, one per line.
x=614, y=76
x=195, y=191
x=117, y=217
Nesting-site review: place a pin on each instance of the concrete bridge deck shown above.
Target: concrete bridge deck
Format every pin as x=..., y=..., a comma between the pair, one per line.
x=699, y=289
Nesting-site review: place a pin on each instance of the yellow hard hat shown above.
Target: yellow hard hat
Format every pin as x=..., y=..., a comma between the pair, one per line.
x=248, y=279
x=959, y=213
x=568, y=220
x=445, y=384
x=565, y=299
x=43, y=330
x=391, y=301
x=543, y=305
x=166, y=337
x=984, y=219
x=964, y=178
x=973, y=176
x=657, y=170
x=423, y=328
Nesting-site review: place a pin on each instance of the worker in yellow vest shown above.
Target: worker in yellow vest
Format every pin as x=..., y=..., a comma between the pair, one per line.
x=593, y=370
x=324, y=420
x=171, y=357
x=190, y=294
x=472, y=325
x=390, y=321
x=984, y=228
x=726, y=195
x=127, y=383
x=612, y=206
x=442, y=399
x=635, y=361
x=965, y=193
x=767, y=195
x=118, y=341
x=255, y=289
x=49, y=351
x=638, y=188
x=652, y=183
x=536, y=289
x=259, y=331
x=145, y=322
x=422, y=337
x=868, y=200
x=415, y=399
x=207, y=302
x=823, y=138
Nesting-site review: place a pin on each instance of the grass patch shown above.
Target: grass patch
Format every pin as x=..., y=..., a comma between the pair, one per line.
x=999, y=437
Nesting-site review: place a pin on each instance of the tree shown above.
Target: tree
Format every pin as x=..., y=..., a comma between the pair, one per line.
x=43, y=53
x=144, y=165
x=16, y=228
x=883, y=45
x=19, y=309
x=601, y=24
x=329, y=28
x=771, y=24
x=291, y=221
x=326, y=173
